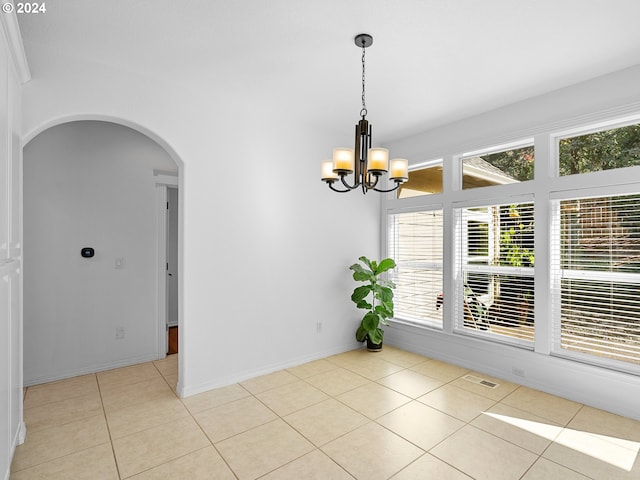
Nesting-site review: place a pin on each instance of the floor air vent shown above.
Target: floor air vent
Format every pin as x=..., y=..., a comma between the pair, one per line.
x=481, y=381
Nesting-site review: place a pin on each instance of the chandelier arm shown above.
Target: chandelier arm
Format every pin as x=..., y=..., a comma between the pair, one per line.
x=389, y=190
x=336, y=190
x=371, y=185
x=350, y=187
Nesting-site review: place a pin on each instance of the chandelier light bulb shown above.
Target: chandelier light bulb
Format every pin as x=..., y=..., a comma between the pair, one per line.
x=327, y=171
x=399, y=169
x=343, y=160
x=378, y=160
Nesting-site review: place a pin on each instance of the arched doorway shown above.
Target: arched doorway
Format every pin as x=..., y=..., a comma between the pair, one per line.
x=91, y=184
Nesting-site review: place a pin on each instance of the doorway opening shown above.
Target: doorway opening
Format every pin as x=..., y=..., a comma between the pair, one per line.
x=172, y=270
x=87, y=187
x=168, y=282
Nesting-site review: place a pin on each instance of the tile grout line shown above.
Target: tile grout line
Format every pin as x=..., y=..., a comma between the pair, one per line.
x=106, y=421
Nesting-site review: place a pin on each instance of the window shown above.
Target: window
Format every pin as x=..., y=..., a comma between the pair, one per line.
x=498, y=167
x=602, y=150
x=416, y=245
x=586, y=200
x=495, y=283
x=596, y=277
x=424, y=179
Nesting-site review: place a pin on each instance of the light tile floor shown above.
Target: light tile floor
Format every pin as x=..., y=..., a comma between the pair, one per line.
x=362, y=415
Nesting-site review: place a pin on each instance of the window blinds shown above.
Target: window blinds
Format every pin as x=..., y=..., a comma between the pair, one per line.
x=415, y=243
x=596, y=277
x=494, y=271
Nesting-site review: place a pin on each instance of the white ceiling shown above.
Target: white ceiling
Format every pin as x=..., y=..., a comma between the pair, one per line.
x=432, y=61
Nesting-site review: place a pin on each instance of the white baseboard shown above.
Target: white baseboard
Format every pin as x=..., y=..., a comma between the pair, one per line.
x=18, y=439
x=186, y=391
x=84, y=370
x=22, y=434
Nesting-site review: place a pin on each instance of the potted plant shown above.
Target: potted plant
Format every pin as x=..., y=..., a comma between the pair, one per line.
x=380, y=293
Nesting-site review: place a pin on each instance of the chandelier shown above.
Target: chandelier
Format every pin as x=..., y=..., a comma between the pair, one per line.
x=371, y=163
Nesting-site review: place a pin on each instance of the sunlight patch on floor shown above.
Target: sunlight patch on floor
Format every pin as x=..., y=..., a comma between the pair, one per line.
x=618, y=452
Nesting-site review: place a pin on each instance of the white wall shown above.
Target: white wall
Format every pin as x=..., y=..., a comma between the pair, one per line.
x=583, y=104
x=11, y=424
x=89, y=184
x=545, y=113
x=266, y=245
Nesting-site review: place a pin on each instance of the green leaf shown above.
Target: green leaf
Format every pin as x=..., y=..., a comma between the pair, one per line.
x=389, y=307
x=367, y=262
x=386, y=294
x=370, y=321
x=360, y=293
x=384, y=311
x=356, y=267
x=364, y=304
x=387, y=283
x=361, y=334
x=363, y=276
x=376, y=336
x=386, y=264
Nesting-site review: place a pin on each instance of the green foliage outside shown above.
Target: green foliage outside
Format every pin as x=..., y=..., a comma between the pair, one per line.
x=517, y=163
x=380, y=292
x=598, y=151
x=516, y=238
x=593, y=152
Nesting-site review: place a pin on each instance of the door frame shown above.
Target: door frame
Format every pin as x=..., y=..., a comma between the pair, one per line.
x=163, y=180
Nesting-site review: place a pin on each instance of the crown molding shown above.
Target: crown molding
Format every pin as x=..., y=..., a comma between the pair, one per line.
x=14, y=41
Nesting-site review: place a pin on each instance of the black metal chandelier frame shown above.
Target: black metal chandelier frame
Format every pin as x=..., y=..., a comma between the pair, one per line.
x=364, y=176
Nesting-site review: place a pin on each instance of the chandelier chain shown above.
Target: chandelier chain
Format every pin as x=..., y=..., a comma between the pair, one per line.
x=363, y=111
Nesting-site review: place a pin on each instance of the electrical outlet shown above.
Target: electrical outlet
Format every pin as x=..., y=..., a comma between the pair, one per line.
x=518, y=371
x=119, y=333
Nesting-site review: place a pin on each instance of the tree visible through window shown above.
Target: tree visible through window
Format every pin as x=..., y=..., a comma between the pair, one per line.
x=605, y=150
x=506, y=166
